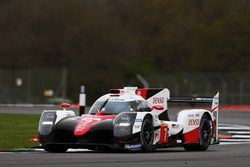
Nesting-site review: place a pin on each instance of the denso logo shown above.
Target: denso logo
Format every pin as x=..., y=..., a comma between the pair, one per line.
x=193, y=122
x=158, y=100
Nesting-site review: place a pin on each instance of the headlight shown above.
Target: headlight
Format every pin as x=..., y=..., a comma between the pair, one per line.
x=46, y=122
x=125, y=120
x=123, y=124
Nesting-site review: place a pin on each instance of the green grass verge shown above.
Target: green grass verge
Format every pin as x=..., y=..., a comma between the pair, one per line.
x=16, y=131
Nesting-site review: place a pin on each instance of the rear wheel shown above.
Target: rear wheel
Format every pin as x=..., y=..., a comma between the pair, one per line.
x=55, y=148
x=147, y=134
x=204, y=136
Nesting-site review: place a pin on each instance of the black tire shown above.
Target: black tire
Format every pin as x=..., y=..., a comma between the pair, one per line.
x=55, y=148
x=147, y=135
x=204, y=136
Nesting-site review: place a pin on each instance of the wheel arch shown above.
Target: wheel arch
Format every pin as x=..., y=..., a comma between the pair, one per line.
x=208, y=114
x=140, y=116
x=191, y=119
x=149, y=116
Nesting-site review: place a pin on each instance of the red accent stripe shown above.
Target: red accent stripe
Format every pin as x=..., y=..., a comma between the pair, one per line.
x=214, y=108
x=191, y=136
x=141, y=92
x=88, y=121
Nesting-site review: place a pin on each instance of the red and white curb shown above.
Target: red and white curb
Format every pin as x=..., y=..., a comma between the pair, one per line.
x=234, y=134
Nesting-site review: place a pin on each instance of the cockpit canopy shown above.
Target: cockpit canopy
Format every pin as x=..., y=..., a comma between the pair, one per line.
x=111, y=105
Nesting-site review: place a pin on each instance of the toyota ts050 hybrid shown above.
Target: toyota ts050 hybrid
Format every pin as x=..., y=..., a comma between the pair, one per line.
x=132, y=119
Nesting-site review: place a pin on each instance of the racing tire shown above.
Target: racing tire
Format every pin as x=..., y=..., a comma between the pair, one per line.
x=147, y=135
x=204, y=136
x=55, y=148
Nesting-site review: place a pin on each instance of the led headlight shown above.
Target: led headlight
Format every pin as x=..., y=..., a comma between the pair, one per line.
x=123, y=124
x=46, y=122
x=125, y=120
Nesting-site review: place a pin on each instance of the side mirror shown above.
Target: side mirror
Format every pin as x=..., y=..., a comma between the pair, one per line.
x=157, y=107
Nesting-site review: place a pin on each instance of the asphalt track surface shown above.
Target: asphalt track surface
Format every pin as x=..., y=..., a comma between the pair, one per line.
x=217, y=155
x=222, y=155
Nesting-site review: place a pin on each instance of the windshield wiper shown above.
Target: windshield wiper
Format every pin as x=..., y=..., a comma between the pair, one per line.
x=103, y=105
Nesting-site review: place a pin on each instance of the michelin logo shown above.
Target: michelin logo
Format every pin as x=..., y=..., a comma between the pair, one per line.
x=133, y=146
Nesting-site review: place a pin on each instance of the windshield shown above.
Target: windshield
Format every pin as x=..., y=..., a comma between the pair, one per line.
x=110, y=107
x=116, y=107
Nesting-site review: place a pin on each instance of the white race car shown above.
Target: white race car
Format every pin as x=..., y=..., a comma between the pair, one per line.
x=132, y=119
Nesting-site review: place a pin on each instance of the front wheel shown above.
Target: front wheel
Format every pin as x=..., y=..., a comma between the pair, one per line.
x=204, y=136
x=147, y=135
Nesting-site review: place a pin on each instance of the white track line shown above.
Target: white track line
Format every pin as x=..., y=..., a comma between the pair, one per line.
x=231, y=143
x=241, y=136
x=239, y=132
x=235, y=128
x=69, y=150
x=235, y=140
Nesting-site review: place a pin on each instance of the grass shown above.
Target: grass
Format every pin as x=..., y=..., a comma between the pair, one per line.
x=16, y=130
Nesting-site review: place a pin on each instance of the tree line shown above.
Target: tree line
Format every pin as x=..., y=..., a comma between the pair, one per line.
x=105, y=43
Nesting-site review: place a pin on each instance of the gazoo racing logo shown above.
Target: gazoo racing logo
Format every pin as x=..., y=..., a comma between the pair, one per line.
x=158, y=100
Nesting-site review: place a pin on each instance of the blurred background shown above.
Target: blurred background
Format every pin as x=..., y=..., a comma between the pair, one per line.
x=48, y=48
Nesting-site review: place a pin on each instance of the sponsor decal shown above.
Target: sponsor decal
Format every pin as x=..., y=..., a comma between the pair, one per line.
x=84, y=124
x=132, y=146
x=88, y=121
x=116, y=99
x=138, y=120
x=137, y=126
x=122, y=91
x=190, y=115
x=158, y=100
x=193, y=122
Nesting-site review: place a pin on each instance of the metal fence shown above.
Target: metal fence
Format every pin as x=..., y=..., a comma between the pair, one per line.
x=38, y=86
x=31, y=86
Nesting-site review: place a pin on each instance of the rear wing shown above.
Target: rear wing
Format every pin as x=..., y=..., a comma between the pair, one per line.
x=153, y=95
x=213, y=101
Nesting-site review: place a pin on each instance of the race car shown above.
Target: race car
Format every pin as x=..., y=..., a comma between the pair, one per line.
x=132, y=119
